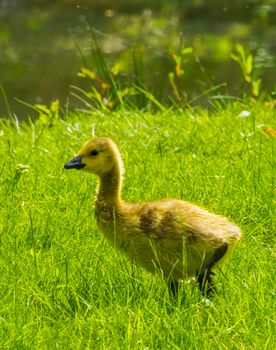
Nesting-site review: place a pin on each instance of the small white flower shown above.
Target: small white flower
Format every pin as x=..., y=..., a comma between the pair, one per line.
x=22, y=168
x=207, y=302
x=244, y=114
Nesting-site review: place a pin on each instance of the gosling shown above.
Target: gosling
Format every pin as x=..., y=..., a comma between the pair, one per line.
x=174, y=237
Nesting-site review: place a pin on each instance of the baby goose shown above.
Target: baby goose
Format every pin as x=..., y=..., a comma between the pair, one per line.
x=172, y=236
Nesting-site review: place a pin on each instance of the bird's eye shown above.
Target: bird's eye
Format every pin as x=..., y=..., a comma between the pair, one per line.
x=94, y=152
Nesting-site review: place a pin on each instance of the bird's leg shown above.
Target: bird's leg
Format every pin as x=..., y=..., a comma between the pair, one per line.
x=173, y=288
x=204, y=276
x=205, y=281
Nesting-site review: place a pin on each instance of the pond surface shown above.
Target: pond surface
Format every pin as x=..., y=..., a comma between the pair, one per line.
x=42, y=51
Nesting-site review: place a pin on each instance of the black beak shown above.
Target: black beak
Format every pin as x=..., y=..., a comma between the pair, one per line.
x=74, y=164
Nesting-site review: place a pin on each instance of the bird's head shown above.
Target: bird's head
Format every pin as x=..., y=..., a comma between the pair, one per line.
x=98, y=156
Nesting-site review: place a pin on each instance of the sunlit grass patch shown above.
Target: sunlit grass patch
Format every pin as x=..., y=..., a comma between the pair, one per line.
x=63, y=286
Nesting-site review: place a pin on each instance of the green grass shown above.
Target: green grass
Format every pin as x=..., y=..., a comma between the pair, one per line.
x=63, y=287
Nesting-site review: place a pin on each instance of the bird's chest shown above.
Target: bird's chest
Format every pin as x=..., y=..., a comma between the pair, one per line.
x=107, y=221
x=104, y=214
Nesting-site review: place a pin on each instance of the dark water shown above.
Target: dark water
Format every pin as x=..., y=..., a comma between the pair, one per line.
x=40, y=51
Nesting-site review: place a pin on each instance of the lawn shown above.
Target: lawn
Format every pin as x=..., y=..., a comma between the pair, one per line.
x=63, y=287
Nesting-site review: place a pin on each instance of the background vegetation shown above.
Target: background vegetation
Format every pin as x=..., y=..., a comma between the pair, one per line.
x=187, y=44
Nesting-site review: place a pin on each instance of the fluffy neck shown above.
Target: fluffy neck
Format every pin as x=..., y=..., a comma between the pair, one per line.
x=109, y=189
